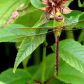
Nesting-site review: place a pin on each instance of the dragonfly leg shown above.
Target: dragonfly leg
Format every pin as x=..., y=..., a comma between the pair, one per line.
x=50, y=19
x=36, y=82
x=49, y=79
x=62, y=26
x=56, y=28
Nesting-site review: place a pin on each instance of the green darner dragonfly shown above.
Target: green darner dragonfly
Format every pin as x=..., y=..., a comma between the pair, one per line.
x=31, y=33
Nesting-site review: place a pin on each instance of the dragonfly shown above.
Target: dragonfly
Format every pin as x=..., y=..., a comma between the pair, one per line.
x=58, y=27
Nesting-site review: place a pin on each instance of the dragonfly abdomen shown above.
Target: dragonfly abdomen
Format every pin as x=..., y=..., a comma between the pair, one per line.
x=56, y=55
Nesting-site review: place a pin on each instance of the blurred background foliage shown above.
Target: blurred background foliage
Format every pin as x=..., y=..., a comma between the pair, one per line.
x=8, y=51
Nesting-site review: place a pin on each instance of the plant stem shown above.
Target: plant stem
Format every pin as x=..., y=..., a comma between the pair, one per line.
x=37, y=55
x=25, y=62
x=43, y=63
x=69, y=35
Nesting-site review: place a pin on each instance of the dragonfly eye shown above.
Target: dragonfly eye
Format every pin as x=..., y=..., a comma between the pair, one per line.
x=59, y=15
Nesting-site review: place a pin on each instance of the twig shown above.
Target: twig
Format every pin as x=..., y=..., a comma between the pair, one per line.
x=49, y=79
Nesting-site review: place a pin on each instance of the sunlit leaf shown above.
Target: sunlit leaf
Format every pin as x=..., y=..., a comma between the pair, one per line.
x=29, y=44
x=73, y=53
x=7, y=36
x=68, y=2
x=70, y=75
x=80, y=4
x=27, y=47
x=36, y=3
x=75, y=22
x=73, y=13
x=31, y=8
x=7, y=8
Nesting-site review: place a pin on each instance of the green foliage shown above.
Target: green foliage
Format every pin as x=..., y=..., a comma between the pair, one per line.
x=29, y=32
x=73, y=55
x=21, y=76
x=68, y=2
x=80, y=4
x=6, y=8
x=36, y=3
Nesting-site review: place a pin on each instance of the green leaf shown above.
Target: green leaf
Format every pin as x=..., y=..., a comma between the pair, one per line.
x=67, y=73
x=36, y=71
x=70, y=75
x=31, y=8
x=7, y=8
x=33, y=69
x=7, y=36
x=80, y=4
x=50, y=68
x=73, y=53
x=20, y=77
x=29, y=19
x=29, y=44
x=75, y=22
x=10, y=33
x=36, y=3
x=25, y=4
x=67, y=3
x=73, y=13
x=55, y=81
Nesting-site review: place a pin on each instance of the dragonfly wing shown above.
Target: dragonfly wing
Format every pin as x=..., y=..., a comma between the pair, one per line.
x=28, y=31
x=31, y=31
x=75, y=22
x=42, y=20
x=22, y=32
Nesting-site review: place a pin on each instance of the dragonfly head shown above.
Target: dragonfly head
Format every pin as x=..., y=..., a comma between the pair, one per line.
x=58, y=16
